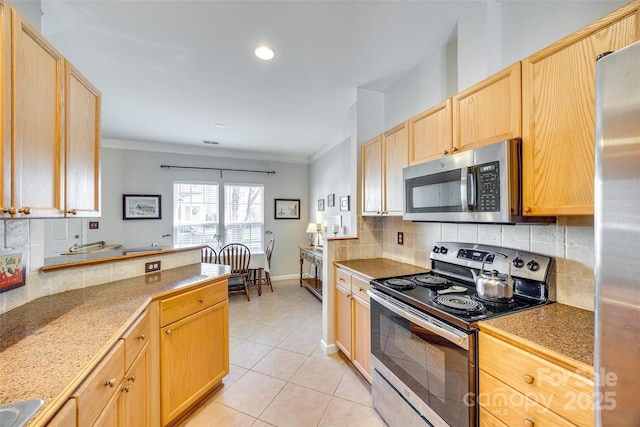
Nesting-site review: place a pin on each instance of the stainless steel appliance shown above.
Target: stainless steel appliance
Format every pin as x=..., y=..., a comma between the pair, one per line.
x=424, y=327
x=481, y=185
x=617, y=238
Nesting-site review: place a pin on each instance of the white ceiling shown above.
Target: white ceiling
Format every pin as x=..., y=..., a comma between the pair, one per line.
x=170, y=70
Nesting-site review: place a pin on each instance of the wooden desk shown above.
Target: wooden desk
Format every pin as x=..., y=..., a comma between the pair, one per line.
x=313, y=257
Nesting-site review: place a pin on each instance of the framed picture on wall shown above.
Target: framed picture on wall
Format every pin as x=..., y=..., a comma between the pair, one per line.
x=344, y=203
x=287, y=209
x=320, y=204
x=331, y=200
x=141, y=206
x=13, y=268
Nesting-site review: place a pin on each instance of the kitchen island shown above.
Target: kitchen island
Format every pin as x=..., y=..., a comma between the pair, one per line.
x=50, y=344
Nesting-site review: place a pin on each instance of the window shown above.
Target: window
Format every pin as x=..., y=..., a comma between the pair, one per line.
x=195, y=213
x=244, y=214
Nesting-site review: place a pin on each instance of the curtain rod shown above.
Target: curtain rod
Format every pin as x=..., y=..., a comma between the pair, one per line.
x=217, y=169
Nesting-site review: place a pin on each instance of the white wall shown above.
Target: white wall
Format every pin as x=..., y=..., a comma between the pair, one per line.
x=331, y=174
x=30, y=10
x=139, y=172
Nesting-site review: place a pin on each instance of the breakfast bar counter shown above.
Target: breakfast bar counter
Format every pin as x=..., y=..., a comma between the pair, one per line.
x=48, y=343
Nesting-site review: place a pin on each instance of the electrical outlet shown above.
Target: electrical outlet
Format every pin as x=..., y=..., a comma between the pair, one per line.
x=93, y=225
x=400, y=238
x=151, y=266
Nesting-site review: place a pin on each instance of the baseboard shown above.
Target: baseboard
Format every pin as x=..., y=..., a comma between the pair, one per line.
x=328, y=349
x=285, y=277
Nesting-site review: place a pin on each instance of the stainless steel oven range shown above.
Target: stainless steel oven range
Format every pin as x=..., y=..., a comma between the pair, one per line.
x=424, y=330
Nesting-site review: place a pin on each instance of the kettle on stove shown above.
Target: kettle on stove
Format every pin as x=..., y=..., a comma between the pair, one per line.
x=493, y=285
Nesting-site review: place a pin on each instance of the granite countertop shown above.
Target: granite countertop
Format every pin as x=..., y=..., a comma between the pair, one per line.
x=377, y=268
x=47, y=343
x=108, y=255
x=565, y=330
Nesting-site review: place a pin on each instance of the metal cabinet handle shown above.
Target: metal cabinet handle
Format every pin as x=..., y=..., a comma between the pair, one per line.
x=25, y=210
x=528, y=379
x=132, y=378
x=455, y=149
x=141, y=337
x=72, y=212
x=526, y=209
x=125, y=389
x=10, y=211
x=201, y=300
x=110, y=383
x=168, y=332
x=445, y=152
x=528, y=422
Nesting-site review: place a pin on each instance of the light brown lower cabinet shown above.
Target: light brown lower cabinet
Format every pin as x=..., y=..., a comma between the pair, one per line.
x=353, y=320
x=194, y=347
x=66, y=416
x=522, y=384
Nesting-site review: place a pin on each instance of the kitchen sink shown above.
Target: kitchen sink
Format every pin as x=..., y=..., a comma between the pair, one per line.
x=17, y=414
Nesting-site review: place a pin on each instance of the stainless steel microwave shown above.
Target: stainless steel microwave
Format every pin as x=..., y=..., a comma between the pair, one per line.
x=477, y=186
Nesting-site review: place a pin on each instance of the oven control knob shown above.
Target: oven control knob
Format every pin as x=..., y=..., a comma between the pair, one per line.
x=533, y=265
x=436, y=250
x=443, y=250
x=518, y=262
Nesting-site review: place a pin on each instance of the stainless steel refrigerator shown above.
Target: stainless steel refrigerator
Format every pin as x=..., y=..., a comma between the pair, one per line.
x=617, y=238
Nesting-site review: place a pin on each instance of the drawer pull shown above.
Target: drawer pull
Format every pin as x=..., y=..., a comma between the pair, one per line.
x=341, y=279
x=528, y=379
x=72, y=212
x=201, y=300
x=168, y=332
x=25, y=210
x=141, y=337
x=132, y=378
x=125, y=389
x=360, y=289
x=528, y=422
x=110, y=383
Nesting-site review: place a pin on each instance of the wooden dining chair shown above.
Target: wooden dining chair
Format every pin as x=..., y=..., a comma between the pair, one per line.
x=209, y=255
x=237, y=256
x=268, y=252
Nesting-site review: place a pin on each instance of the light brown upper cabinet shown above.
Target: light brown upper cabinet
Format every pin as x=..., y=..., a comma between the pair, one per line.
x=82, y=138
x=383, y=158
x=37, y=148
x=51, y=128
x=558, y=113
x=489, y=111
x=371, y=153
x=430, y=134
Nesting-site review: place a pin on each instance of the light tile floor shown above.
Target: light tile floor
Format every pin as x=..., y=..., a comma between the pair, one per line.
x=278, y=375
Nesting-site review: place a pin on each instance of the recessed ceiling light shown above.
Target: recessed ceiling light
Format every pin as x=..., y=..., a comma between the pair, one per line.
x=219, y=125
x=211, y=142
x=264, y=52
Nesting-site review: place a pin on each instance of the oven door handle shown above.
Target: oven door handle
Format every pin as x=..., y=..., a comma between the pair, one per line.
x=464, y=185
x=460, y=339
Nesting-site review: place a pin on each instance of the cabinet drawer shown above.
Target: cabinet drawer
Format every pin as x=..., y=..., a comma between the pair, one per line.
x=136, y=337
x=175, y=308
x=513, y=408
x=96, y=390
x=317, y=260
x=359, y=288
x=343, y=279
x=564, y=392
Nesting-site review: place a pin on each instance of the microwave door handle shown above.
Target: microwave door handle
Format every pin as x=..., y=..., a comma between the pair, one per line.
x=471, y=182
x=464, y=174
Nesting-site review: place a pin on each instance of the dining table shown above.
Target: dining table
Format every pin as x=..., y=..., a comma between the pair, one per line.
x=260, y=264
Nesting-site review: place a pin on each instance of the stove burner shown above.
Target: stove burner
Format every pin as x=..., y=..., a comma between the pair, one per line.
x=459, y=304
x=432, y=281
x=505, y=304
x=399, y=284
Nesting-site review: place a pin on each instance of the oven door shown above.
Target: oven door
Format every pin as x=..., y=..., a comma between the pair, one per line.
x=429, y=364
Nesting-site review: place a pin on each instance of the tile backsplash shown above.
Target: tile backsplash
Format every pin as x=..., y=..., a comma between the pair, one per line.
x=29, y=235
x=570, y=242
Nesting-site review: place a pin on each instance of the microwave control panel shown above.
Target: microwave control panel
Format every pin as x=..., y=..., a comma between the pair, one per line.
x=488, y=187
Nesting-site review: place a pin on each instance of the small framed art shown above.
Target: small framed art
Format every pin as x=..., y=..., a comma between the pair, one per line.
x=331, y=200
x=320, y=204
x=141, y=206
x=344, y=203
x=287, y=209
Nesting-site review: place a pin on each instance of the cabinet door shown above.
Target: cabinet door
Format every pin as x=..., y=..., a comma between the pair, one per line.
x=559, y=116
x=136, y=405
x=362, y=337
x=37, y=123
x=489, y=111
x=82, y=138
x=5, y=106
x=111, y=414
x=194, y=358
x=65, y=417
x=371, y=153
x=343, y=320
x=396, y=157
x=430, y=134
